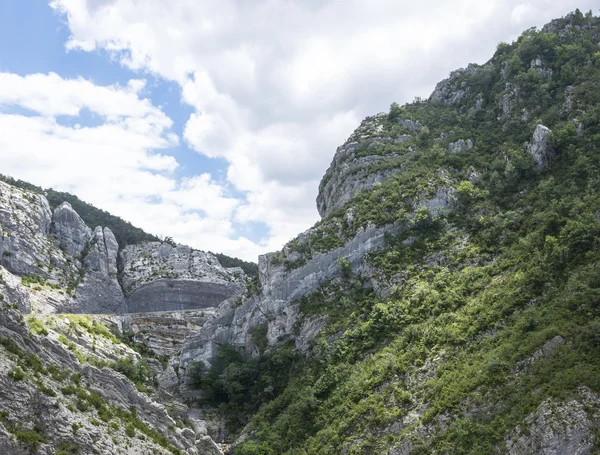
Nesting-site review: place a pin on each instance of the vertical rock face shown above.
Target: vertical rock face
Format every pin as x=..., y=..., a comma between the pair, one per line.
x=70, y=230
x=540, y=148
x=100, y=291
x=58, y=249
x=25, y=219
x=161, y=277
x=102, y=257
x=59, y=252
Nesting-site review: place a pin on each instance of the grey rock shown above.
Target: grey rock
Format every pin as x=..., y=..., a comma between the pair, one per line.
x=439, y=203
x=234, y=320
x=460, y=146
x=72, y=233
x=169, y=379
x=557, y=428
x=349, y=173
x=451, y=91
x=540, y=148
x=100, y=291
x=568, y=104
x=410, y=124
x=539, y=65
x=404, y=447
x=164, y=332
x=206, y=446
x=34, y=242
x=479, y=103
x=160, y=277
x=508, y=100
x=25, y=247
x=55, y=416
x=544, y=351
x=180, y=295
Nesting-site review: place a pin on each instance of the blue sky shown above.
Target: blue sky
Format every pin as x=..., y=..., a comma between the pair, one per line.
x=213, y=122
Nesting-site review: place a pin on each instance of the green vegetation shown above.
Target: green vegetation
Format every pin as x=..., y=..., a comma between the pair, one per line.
x=36, y=326
x=510, y=264
x=141, y=348
x=86, y=401
x=249, y=268
x=238, y=385
x=37, y=282
x=137, y=371
x=67, y=448
x=30, y=438
x=91, y=326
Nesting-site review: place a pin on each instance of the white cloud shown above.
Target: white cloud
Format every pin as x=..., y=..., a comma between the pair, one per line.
x=115, y=164
x=275, y=87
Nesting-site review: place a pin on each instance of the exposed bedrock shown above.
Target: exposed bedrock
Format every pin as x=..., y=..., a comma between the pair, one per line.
x=178, y=295
x=275, y=306
x=162, y=277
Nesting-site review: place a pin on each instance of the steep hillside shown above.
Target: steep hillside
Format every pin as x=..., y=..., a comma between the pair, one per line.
x=449, y=300
x=69, y=386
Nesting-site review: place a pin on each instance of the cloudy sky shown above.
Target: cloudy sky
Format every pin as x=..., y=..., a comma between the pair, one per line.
x=213, y=121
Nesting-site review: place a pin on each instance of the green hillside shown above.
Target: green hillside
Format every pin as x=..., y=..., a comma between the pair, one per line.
x=449, y=362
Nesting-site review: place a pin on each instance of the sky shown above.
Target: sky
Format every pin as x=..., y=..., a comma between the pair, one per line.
x=212, y=122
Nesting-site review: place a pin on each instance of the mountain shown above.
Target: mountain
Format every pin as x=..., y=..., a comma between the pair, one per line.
x=125, y=233
x=447, y=302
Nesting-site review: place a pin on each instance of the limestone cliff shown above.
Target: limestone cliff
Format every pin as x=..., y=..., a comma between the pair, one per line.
x=162, y=277
x=72, y=268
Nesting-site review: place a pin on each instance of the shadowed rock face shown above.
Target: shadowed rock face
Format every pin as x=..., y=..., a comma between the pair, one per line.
x=100, y=291
x=179, y=295
x=161, y=277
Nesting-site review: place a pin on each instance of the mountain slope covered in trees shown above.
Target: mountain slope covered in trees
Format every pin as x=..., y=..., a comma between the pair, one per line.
x=482, y=335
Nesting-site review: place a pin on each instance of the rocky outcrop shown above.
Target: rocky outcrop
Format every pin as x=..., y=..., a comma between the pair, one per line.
x=58, y=251
x=557, y=428
x=361, y=163
x=540, y=148
x=508, y=101
x=452, y=90
x=25, y=246
x=539, y=65
x=70, y=230
x=276, y=304
x=460, y=146
x=164, y=332
x=74, y=269
x=161, y=277
x=100, y=291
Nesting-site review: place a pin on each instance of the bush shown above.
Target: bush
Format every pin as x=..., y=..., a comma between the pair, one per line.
x=36, y=326
x=16, y=373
